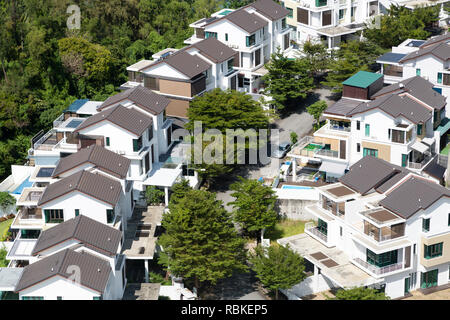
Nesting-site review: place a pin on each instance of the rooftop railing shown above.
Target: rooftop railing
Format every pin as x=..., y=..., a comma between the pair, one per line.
x=379, y=270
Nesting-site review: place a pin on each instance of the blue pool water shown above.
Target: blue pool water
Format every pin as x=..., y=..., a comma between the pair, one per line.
x=296, y=187
x=25, y=184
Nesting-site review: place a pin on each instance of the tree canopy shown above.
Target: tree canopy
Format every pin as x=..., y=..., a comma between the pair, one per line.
x=360, y=293
x=277, y=267
x=200, y=241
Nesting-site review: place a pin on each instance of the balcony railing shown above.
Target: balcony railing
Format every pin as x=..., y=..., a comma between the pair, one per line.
x=311, y=228
x=57, y=122
x=379, y=270
x=421, y=164
x=328, y=153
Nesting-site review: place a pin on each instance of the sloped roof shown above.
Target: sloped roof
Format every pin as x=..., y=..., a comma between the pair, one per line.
x=187, y=64
x=129, y=119
x=94, y=185
x=99, y=157
x=440, y=50
x=434, y=40
x=391, y=57
x=249, y=22
x=142, y=97
x=343, y=107
x=396, y=105
x=94, y=272
x=413, y=195
x=270, y=9
x=362, y=79
x=419, y=88
x=214, y=50
x=91, y=233
x=369, y=173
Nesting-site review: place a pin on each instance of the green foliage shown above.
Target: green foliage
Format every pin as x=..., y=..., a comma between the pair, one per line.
x=158, y=278
x=294, y=137
x=254, y=205
x=153, y=195
x=3, y=262
x=277, y=267
x=316, y=109
x=287, y=81
x=6, y=200
x=351, y=57
x=179, y=191
x=200, y=241
x=400, y=24
x=360, y=293
x=317, y=56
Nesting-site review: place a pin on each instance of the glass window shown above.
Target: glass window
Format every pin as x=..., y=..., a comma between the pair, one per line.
x=358, y=125
x=341, y=14
x=107, y=141
x=54, y=215
x=137, y=144
x=226, y=36
x=426, y=225
x=109, y=215
x=439, y=77
x=210, y=34
x=291, y=13
x=322, y=226
x=418, y=72
x=383, y=259
x=370, y=152
x=77, y=212
x=250, y=40
x=150, y=133
x=367, y=130
x=433, y=251
x=321, y=3
x=358, y=147
x=283, y=23
x=419, y=129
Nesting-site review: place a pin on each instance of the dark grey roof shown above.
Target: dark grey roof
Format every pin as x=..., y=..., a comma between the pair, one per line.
x=440, y=50
x=187, y=64
x=142, y=97
x=396, y=106
x=249, y=22
x=391, y=57
x=382, y=188
x=369, y=173
x=129, y=119
x=270, y=9
x=94, y=272
x=436, y=39
x=415, y=43
x=435, y=170
x=94, y=185
x=419, y=88
x=99, y=157
x=91, y=233
x=214, y=50
x=343, y=107
x=412, y=195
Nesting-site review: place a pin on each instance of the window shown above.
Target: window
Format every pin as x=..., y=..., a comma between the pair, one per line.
x=151, y=83
x=449, y=219
x=383, y=259
x=358, y=147
x=439, y=77
x=340, y=231
x=322, y=226
x=107, y=142
x=291, y=13
x=419, y=129
x=370, y=152
x=54, y=215
x=77, y=212
x=418, y=72
x=59, y=298
x=137, y=144
x=230, y=64
x=109, y=215
x=426, y=225
x=32, y=298
x=283, y=23
x=97, y=298
x=367, y=130
x=321, y=3
x=210, y=34
x=404, y=160
x=226, y=36
x=250, y=40
x=341, y=14
x=433, y=251
x=358, y=125
x=150, y=133
x=414, y=249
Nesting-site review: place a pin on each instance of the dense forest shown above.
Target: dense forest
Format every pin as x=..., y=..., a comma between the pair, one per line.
x=45, y=66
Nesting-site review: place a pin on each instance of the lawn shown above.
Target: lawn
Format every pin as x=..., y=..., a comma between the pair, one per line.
x=445, y=150
x=4, y=226
x=285, y=228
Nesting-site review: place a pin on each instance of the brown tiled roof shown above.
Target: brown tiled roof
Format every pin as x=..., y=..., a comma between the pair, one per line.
x=129, y=119
x=94, y=185
x=94, y=272
x=434, y=40
x=249, y=22
x=187, y=64
x=396, y=106
x=440, y=50
x=369, y=173
x=214, y=50
x=413, y=195
x=91, y=233
x=270, y=9
x=419, y=88
x=99, y=157
x=142, y=97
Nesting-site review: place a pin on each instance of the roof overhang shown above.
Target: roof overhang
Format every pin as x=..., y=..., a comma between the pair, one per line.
x=419, y=146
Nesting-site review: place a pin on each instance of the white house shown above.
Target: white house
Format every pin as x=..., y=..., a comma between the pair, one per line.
x=381, y=226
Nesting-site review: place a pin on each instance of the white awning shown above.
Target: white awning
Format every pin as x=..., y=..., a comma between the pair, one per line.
x=334, y=169
x=428, y=141
x=162, y=177
x=419, y=146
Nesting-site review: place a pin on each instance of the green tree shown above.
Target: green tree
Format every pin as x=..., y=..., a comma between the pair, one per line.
x=200, y=242
x=360, y=293
x=6, y=200
x=294, y=137
x=317, y=56
x=351, y=57
x=316, y=109
x=277, y=267
x=153, y=195
x=179, y=191
x=400, y=24
x=254, y=205
x=3, y=262
x=287, y=81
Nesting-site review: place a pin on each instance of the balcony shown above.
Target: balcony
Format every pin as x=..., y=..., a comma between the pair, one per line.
x=420, y=164
x=377, y=270
x=317, y=233
x=28, y=217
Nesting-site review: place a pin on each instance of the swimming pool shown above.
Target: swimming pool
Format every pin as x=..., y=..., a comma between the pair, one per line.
x=25, y=184
x=296, y=187
x=313, y=146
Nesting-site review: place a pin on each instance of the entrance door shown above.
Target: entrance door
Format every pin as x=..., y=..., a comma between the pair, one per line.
x=407, y=285
x=429, y=279
x=147, y=162
x=404, y=160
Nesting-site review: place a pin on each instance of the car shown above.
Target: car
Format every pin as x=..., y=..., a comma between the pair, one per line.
x=281, y=150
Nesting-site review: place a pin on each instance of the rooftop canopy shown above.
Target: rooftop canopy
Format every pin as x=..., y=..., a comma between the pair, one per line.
x=362, y=79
